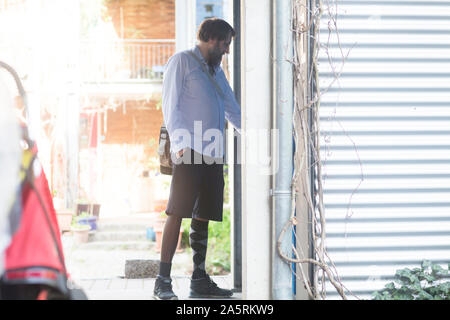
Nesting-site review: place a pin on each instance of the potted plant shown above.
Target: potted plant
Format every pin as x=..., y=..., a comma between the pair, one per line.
x=64, y=218
x=80, y=232
x=63, y=215
x=160, y=204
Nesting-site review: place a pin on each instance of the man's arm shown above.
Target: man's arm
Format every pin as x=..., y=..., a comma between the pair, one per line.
x=232, y=108
x=172, y=88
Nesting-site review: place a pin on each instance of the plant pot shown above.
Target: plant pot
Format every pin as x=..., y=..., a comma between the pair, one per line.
x=81, y=235
x=64, y=220
x=160, y=205
x=158, y=236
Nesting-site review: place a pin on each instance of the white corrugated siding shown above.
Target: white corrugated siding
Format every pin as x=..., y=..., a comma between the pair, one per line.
x=385, y=139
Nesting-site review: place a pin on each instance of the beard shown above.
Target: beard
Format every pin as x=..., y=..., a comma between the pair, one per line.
x=215, y=56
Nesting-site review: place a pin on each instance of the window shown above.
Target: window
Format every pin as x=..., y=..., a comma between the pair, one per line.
x=209, y=8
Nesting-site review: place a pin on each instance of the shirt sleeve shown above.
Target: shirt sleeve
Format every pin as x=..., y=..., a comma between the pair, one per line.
x=173, y=83
x=232, y=108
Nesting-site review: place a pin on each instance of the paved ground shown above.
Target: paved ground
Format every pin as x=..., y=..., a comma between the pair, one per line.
x=98, y=267
x=140, y=289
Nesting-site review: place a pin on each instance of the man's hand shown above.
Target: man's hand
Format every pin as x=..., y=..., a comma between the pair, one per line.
x=180, y=153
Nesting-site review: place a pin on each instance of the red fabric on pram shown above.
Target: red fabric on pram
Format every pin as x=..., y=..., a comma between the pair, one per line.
x=35, y=245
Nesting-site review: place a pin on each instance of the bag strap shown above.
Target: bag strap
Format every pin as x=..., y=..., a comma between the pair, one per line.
x=219, y=90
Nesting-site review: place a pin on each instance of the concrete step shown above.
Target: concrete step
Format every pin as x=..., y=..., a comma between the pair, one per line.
x=117, y=245
x=122, y=235
x=132, y=222
x=109, y=226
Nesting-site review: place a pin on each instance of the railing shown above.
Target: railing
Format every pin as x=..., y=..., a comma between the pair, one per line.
x=124, y=60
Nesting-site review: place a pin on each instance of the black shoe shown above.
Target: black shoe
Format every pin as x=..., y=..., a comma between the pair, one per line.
x=163, y=289
x=206, y=288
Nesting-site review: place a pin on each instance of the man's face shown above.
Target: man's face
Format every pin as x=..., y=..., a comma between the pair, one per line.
x=218, y=49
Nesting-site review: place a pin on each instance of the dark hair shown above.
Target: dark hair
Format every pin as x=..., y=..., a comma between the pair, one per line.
x=214, y=28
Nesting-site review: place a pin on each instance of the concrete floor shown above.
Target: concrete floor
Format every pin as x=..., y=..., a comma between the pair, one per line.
x=141, y=289
x=98, y=266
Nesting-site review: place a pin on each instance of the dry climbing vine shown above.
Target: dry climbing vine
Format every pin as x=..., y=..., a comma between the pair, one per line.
x=306, y=21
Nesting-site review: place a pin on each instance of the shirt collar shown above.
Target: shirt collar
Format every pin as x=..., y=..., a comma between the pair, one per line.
x=199, y=54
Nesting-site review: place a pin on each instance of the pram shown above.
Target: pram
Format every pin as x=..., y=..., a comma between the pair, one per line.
x=34, y=261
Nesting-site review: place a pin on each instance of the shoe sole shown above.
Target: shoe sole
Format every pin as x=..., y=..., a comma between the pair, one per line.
x=158, y=298
x=208, y=296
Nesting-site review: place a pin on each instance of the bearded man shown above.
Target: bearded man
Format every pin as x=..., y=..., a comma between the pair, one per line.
x=196, y=100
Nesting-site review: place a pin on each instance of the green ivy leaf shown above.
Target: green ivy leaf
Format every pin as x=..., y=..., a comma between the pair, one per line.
x=426, y=264
x=423, y=295
x=429, y=278
x=417, y=287
x=377, y=295
x=438, y=271
x=404, y=296
x=404, y=276
x=436, y=290
x=390, y=286
x=437, y=268
x=444, y=288
x=417, y=284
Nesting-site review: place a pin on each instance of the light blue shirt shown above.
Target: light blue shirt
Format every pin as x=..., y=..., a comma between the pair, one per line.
x=194, y=112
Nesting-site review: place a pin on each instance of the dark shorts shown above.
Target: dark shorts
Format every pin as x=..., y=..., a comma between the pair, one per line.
x=196, y=190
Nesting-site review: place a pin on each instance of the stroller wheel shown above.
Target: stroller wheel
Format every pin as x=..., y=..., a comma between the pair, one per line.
x=20, y=292
x=77, y=294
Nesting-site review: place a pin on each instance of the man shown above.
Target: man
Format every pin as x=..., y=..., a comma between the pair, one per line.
x=196, y=99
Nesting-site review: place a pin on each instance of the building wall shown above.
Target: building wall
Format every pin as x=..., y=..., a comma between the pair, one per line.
x=129, y=133
x=136, y=122
x=125, y=161
x=143, y=19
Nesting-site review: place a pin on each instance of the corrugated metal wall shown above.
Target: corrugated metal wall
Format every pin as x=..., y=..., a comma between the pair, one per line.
x=385, y=139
